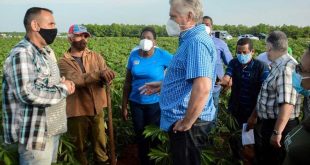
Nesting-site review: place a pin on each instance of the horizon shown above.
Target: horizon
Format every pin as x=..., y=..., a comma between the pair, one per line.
x=154, y=12
x=164, y=25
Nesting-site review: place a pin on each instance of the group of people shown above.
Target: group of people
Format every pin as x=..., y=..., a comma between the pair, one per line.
x=263, y=93
x=43, y=99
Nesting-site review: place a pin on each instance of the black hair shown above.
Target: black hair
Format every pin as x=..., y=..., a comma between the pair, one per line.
x=31, y=13
x=208, y=17
x=244, y=41
x=148, y=29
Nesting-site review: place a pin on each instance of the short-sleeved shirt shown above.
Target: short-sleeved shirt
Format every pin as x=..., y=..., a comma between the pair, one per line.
x=247, y=81
x=223, y=58
x=277, y=89
x=195, y=57
x=144, y=70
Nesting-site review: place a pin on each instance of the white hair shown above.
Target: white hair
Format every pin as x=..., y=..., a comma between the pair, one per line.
x=278, y=40
x=186, y=6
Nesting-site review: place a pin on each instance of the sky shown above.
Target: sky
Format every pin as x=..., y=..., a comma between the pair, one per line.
x=232, y=12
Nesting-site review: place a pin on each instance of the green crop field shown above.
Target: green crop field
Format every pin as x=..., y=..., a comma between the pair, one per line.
x=116, y=51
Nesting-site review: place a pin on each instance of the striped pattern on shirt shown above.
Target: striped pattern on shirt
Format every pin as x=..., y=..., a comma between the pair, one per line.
x=195, y=57
x=278, y=89
x=26, y=94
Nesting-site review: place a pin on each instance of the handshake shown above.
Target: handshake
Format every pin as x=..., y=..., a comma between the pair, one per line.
x=107, y=75
x=69, y=84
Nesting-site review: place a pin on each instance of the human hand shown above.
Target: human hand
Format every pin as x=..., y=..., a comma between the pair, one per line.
x=251, y=122
x=125, y=113
x=181, y=126
x=69, y=84
x=225, y=82
x=150, y=88
x=107, y=75
x=275, y=140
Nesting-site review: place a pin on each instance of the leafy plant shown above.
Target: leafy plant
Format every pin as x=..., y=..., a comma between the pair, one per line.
x=65, y=151
x=161, y=153
x=8, y=153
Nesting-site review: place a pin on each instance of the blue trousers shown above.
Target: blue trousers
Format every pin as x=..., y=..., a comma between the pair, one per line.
x=143, y=115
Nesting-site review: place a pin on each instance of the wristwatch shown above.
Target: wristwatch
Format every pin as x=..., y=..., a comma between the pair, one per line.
x=275, y=132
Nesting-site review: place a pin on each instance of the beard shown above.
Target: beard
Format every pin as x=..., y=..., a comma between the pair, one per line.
x=79, y=45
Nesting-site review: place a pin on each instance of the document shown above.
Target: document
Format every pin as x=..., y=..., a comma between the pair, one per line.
x=247, y=136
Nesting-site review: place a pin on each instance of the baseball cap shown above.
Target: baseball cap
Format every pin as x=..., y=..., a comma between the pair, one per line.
x=78, y=29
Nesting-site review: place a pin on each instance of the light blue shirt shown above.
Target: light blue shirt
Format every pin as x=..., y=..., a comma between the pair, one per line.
x=195, y=57
x=144, y=70
x=223, y=58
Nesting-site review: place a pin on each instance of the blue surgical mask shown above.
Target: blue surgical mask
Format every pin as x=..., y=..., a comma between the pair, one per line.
x=296, y=80
x=244, y=58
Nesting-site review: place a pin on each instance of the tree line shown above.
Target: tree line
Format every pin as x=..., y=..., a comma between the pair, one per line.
x=125, y=30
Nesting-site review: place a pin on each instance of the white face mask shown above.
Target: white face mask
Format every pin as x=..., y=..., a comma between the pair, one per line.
x=173, y=28
x=146, y=45
x=208, y=30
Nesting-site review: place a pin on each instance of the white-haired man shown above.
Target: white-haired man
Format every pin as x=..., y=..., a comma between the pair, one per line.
x=186, y=100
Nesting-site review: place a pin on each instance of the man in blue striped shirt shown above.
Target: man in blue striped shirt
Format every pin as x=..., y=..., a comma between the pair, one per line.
x=186, y=95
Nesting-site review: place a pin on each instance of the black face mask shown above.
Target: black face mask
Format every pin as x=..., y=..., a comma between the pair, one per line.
x=79, y=45
x=48, y=35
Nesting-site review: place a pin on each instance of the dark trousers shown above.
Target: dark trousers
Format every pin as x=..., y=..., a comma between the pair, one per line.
x=143, y=115
x=88, y=128
x=186, y=146
x=270, y=154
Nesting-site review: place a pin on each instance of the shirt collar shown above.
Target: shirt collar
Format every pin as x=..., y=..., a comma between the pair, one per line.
x=191, y=32
x=279, y=60
x=68, y=54
x=37, y=48
x=247, y=65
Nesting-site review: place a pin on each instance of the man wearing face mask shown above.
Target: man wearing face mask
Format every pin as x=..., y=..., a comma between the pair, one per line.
x=296, y=142
x=223, y=58
x=301, y=80
x=88, y=70
x=146, y=64
x=247, y=76
x=33, y=93
x=187, y=109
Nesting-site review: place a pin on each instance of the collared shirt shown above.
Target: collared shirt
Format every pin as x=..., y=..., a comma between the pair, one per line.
x=277, y=89
x=26, y=95
x=195, y=57
x=223, y=58
x=90, y=96
x=247, y=81
x=144, y=70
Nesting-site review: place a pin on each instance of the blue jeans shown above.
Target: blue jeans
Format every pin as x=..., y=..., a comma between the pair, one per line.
x=38, y=157
x=186, y=146
x=143, y=115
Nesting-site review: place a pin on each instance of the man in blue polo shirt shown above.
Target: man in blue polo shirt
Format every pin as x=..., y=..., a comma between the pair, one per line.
x=247, y=76
x=186, y=95
x=223, y=58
